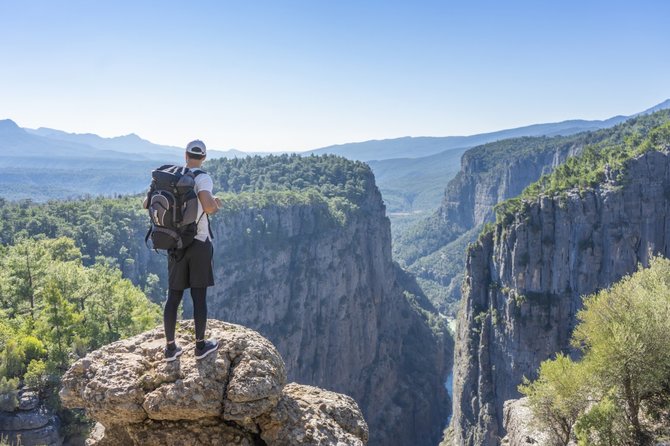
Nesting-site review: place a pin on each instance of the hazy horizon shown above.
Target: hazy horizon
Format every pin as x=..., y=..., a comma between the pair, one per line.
x=313, y=148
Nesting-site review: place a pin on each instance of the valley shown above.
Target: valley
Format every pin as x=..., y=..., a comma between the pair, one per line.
x=343, y=265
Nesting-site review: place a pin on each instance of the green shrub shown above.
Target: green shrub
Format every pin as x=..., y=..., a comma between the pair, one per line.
x=36, y=377
x=601, y=425
x=622, y=332
x=9, y=390
x=32, y=348
x=558, y=396
x=13, y=360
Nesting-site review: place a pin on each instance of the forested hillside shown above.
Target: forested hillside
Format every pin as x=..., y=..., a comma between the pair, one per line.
x=112, y=230
x=415, y=185
x=53, y=311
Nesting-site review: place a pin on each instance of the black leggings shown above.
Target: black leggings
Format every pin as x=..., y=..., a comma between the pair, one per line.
x=199, y=296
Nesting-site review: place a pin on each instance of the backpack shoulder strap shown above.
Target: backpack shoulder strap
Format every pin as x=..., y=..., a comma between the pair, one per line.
x=209, y=227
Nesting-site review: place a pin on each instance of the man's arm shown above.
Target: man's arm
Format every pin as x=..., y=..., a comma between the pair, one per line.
x=210, y=203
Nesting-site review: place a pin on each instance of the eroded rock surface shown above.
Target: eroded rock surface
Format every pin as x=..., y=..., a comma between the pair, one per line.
x=233, y=397
x=31, y=424
x=332, y=418
x=520, y=425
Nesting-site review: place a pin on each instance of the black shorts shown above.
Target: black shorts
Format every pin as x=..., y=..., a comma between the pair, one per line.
x=191, y=268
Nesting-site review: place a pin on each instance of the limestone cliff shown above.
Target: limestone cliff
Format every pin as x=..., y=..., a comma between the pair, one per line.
x=524, y=281
x=326, y=293
x=236, y=396
x=489, y=174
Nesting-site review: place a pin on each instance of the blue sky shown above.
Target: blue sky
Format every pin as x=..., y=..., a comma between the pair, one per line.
x=295, y=75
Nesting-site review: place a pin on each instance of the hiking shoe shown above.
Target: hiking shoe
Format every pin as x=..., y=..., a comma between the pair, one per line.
x=210, y=346
x=171, y=355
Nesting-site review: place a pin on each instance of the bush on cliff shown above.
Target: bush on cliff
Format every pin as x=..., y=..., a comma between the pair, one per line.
x=557, y=396
x=623, y=334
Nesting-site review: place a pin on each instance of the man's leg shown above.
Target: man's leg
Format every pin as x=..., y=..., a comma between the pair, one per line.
x=170, y=315
x=201, y=276
x=172, y=350
x=203, y=347
x=199, y=296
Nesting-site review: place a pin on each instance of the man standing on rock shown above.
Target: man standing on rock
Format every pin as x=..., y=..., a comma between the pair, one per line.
x=192, y=267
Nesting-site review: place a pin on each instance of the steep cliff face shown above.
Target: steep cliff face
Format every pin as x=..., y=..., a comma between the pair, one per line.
x=324, y=291
x=525, y=280
x=489, y=174
x=471, y=196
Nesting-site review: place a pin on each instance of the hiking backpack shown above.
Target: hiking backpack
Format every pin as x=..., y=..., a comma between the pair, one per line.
x=173, y=207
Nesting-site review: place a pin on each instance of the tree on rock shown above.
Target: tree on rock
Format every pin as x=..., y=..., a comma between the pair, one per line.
x=623, y=379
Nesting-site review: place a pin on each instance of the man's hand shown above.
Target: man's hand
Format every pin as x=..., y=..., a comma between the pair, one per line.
x=210, y=204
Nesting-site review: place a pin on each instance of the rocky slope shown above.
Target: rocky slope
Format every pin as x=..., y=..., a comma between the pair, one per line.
x=525, y=278
x=326, y=293
x=236, y=396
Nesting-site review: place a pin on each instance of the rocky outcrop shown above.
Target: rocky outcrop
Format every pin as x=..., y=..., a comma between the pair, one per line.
x=236, y=396
x=31, y=424
x=525, y=280
x=520, y=427
x=325, y=291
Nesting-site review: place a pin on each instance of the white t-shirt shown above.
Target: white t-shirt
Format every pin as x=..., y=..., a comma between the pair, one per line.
x=202, y=182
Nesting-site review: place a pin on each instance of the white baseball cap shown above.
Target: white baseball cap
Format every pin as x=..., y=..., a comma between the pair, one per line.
x=196, y=147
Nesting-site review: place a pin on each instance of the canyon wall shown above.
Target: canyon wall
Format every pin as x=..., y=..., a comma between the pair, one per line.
x=323, y=288
x=525, y=279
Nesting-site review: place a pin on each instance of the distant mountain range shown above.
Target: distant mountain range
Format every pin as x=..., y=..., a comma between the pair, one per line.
x=415, y=147
x=415, y=181
x=46, y=164
x=411, y=172
x=131, y=144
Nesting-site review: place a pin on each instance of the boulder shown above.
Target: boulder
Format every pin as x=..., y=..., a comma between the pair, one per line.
x=29, y=400
x=236, y=396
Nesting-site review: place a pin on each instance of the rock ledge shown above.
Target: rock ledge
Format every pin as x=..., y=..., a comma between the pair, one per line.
x=236, y=396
